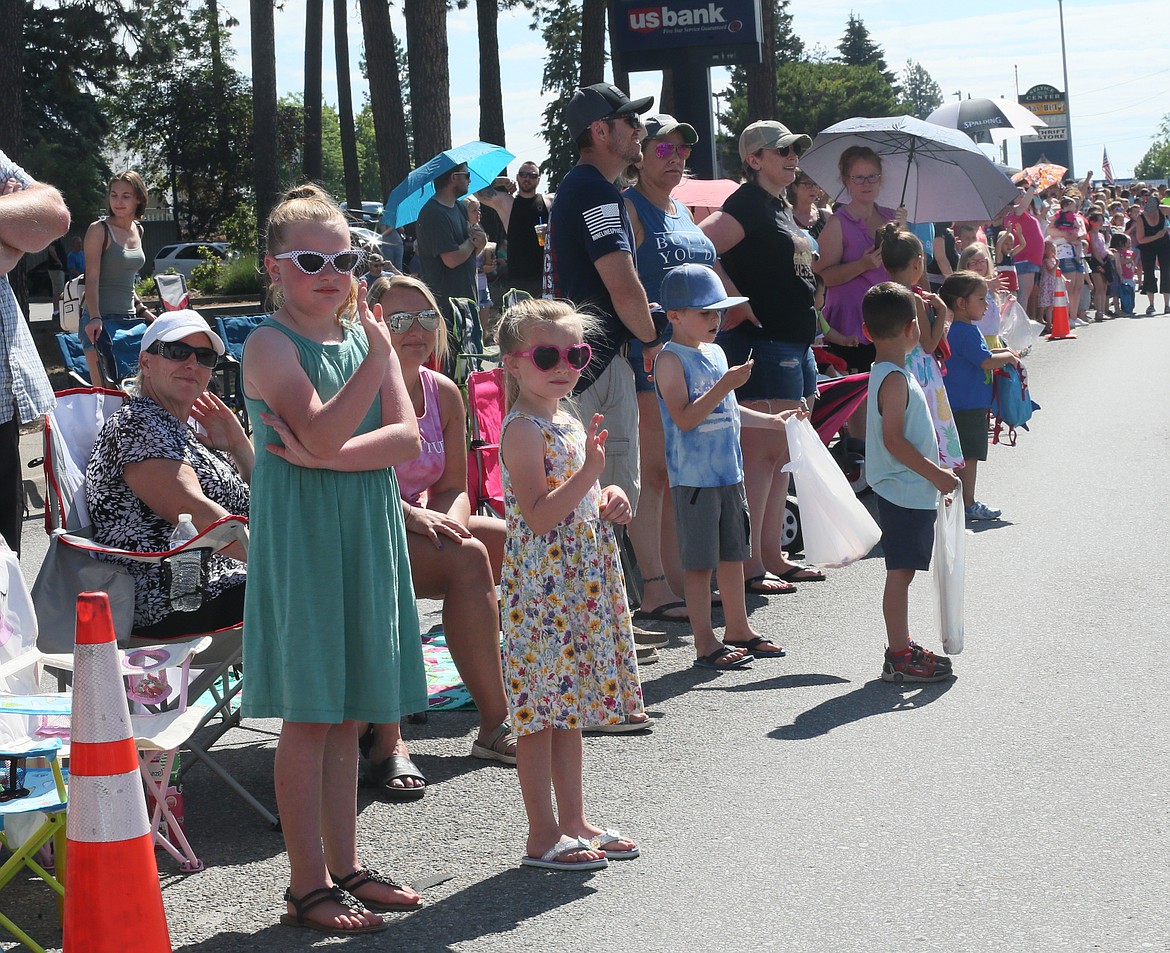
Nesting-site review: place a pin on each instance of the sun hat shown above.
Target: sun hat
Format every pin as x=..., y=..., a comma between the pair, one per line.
x=176, y=325
x=769, y=134
x=591, y=103
x=694, y=286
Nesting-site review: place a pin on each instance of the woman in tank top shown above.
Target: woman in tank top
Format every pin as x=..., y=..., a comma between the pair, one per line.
x=666, y=237
x=113, y=257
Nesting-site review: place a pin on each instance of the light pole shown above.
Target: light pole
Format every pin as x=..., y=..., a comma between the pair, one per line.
x=1067, y=111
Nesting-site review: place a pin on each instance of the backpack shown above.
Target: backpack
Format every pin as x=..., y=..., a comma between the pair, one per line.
x=1011, y=403
x=72, y=298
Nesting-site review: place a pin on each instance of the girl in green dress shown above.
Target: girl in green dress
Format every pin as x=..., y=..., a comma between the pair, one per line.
x=331, y=629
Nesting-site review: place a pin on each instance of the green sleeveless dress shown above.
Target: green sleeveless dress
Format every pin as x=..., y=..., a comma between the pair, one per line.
x=331, y=628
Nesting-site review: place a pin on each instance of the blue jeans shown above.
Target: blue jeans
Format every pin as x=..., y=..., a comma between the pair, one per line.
x=782, y=371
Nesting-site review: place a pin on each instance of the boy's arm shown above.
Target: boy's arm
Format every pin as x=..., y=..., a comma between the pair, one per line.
x=672, y=386
x=1000, y=357
x=892, y=397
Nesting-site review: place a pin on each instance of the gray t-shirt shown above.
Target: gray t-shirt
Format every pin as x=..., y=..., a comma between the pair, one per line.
x=439, y=230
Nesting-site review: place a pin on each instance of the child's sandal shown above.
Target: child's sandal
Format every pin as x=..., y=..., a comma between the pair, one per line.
x=314, y=898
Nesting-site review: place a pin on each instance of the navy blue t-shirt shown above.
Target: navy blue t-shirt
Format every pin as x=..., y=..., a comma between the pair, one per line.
x=589, y=221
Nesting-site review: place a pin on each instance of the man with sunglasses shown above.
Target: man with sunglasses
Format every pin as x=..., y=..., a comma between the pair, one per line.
x=520, y=214
x=592, y=247
x=448, y=243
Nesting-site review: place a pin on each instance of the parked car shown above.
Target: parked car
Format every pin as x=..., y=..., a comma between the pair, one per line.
x=371, y=212
x=185, y=257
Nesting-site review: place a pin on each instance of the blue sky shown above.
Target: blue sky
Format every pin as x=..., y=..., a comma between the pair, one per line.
x=1119, y=70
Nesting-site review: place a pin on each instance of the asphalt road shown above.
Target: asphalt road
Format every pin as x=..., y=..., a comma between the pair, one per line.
x=804, y=805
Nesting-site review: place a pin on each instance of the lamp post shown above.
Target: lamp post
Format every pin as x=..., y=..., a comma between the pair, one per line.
x=1067, y=110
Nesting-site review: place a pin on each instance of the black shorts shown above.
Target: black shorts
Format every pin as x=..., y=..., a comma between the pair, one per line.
x=972, y=427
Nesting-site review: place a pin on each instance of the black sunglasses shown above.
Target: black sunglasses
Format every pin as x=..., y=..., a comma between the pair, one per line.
x=179, y=352
x=793, y=149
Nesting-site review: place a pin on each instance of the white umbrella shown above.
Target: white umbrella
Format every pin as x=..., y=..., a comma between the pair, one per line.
x=939, y=174
x=975, y=116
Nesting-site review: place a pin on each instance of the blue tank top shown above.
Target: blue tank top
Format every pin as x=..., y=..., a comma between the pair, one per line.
x=889, y=478
x=669, y=240
x=709, y=454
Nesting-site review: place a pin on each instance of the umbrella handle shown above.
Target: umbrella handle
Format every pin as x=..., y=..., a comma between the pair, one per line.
x=906, y=180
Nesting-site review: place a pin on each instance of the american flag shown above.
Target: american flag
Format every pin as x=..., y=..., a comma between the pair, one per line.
x=1106, y=167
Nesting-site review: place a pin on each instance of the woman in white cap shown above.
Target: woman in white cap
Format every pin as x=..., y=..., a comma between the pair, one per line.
x=150, y=464
x=765, y=256
x=666, y=237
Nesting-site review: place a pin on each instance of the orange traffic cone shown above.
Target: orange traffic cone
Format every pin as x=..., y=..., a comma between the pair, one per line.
x=113, y=901
x=1060, y=326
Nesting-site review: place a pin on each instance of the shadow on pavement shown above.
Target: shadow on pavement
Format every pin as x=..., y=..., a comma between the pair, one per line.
x=873, y=698
x=798, y=680
x=984, y=525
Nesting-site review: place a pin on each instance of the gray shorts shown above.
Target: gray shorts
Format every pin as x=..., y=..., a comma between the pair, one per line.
x=713, y=525
x=613, y=395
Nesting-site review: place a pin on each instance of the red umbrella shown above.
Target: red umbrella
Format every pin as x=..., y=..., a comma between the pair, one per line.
x=703, y=193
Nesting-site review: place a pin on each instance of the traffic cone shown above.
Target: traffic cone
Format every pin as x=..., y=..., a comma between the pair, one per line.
x=113, y=901
x=1060, y=326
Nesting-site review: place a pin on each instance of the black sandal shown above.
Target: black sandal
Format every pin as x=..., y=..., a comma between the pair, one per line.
x=354, y=882
x=315, y=898
x=396, y=766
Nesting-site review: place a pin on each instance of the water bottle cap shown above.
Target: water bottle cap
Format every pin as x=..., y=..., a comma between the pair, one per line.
x=184, y=517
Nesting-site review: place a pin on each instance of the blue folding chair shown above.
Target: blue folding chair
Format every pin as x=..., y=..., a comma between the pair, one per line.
x=73, y=357
x=234, y=331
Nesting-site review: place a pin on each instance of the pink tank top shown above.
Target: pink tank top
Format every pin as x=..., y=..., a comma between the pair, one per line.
x=417, y=476
x=843, y=302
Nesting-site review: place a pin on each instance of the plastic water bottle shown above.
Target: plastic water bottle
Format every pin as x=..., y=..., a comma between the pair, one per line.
x=186, y=569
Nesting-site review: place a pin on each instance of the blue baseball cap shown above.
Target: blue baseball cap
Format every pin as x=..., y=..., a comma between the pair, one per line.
x=695, y=286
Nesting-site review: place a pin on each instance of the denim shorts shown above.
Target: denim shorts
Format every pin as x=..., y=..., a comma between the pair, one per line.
x=86, y=344
x=907, y=535
x=782, y=371
x=1027, y=268
x=1070, y=266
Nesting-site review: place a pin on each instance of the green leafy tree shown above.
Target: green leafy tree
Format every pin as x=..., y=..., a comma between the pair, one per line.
x=921, y=95
x=561, y=29
x=1155, y=164
x=858, y=49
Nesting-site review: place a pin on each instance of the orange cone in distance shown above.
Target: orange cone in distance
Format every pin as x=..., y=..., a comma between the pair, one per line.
x=1060, y=326
x=113, y=901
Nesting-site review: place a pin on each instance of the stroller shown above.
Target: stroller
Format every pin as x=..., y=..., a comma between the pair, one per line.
x=837, y=399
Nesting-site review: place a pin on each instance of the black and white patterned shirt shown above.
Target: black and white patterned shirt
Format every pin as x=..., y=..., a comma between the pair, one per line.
x=142, y=430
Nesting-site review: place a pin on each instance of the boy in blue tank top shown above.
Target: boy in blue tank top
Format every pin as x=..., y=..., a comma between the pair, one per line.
x=901, y=464
x=701, y=422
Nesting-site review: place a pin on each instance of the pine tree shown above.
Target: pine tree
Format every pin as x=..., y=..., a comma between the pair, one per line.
x=561, y=30
x=921, y=95
x=857, y=49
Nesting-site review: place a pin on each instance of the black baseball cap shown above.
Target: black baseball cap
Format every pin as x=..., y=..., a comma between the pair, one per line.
x=591, y=103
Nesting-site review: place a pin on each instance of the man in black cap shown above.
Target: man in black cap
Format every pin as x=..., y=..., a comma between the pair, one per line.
x=592, y=252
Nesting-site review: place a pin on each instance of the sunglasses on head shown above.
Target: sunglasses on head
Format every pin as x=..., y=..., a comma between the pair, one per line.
x=664, y=150
x=179, y=352
x=311, y=262
x=545, y=357
x=400, y=321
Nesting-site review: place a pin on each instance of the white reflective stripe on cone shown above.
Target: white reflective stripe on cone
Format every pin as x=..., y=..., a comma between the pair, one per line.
x=100, y=711
x=106, y=809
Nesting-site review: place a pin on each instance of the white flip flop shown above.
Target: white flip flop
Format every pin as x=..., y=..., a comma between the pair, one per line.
x=548, y=860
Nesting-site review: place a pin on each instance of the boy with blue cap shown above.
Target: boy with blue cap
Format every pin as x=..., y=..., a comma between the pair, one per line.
x=701, y=422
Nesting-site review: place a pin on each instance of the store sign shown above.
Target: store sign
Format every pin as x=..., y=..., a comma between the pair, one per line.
x=724, y=32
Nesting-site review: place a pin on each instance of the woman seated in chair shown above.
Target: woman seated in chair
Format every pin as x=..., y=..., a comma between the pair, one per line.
x=455, y=555
x=149, y=465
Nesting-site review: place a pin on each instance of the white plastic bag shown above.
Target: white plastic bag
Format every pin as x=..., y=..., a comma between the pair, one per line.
x=950, y=547
x=1017, y=330
x=837, y=528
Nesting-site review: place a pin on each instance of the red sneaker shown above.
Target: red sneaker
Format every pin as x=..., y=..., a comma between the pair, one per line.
x=918, y=665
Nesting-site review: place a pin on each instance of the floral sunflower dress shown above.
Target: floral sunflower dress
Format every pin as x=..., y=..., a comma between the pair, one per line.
x=926, y=371
x=568, y=645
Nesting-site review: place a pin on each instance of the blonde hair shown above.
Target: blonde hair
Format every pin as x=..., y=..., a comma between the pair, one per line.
x=976, y=248
x=520, y=318
x=135, y=181
x=388, y=283
x=305, y=203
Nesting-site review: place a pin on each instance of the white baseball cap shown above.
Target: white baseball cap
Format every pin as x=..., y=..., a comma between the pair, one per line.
x=176, y=325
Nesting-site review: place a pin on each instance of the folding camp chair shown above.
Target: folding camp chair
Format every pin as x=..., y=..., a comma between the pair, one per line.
x=467, y=341
x=172, y=291
x=485, y=413
x=73, y=564
x=32, y=797
x=234, y=331
x=73, y=357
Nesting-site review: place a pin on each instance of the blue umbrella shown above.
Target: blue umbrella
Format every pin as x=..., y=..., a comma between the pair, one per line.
x=484, y=160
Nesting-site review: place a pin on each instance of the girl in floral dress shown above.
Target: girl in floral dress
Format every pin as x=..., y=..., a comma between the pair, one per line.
x=903, y=258
x=568, y=648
